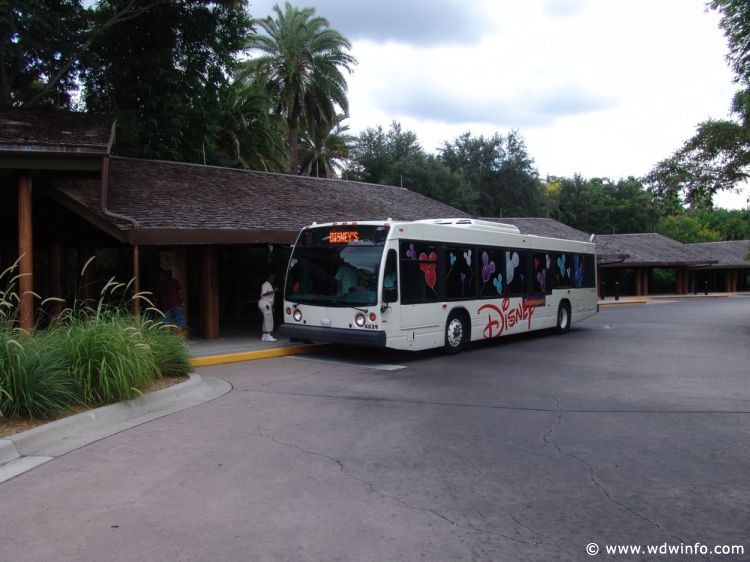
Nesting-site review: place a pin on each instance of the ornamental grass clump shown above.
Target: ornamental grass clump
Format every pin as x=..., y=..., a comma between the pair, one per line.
x=167, y=347
x=109, y=359
x=90, y=355
x=34, y=378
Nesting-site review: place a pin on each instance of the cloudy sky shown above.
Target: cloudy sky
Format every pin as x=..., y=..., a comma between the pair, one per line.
x=596, y=87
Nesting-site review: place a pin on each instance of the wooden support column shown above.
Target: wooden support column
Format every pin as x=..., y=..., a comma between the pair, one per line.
x=209, y=293
x=679, y=285
x=644, y=282
x=638, y=278
x=26, y=254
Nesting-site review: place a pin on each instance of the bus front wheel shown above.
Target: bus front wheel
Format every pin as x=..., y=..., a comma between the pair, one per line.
x=456, y=333
x=563, y=318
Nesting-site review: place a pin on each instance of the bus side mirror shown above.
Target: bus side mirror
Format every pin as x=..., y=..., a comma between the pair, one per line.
x=390, y=294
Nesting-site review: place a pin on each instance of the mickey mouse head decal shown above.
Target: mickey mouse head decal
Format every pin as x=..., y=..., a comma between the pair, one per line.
x=429, y=267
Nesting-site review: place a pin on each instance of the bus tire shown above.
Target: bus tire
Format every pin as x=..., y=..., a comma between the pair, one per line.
x=456, y=333
x=563, y=318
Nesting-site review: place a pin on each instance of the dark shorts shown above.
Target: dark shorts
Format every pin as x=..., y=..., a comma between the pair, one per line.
x=175, y=316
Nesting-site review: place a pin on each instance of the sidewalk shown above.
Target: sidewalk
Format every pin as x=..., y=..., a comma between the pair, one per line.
x=239, y=345
x=629, y=299
x=23, y=451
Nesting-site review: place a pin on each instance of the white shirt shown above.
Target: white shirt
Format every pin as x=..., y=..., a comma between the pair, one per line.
x=268, y=299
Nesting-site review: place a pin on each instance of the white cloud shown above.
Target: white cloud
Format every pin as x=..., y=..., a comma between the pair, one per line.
x=414, y=22
x=600, y=88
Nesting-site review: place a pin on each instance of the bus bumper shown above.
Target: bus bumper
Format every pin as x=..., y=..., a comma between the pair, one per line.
x=334, y=335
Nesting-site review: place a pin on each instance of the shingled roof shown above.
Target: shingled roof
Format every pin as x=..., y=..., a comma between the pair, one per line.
x=649, y=249
x=544, y=227
x=175, y=203
x=54, y=131
x=731, y=254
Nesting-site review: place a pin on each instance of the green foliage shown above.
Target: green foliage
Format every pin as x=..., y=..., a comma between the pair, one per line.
x=717, y=157
x=250, y=135
x=395, y=157
x=109, y=358
x=706, y=226
x=34, y=377
x=299, y=63
x=498, y=171
x=89, y=355
x=325, y=149
x=601, y=206
x=167, y=86
x=166, y=348
x=39, y=41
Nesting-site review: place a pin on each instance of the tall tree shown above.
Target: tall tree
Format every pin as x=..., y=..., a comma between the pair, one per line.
x=717, y=157
x=39, y=42
x=45, y=45
x=499, y=171
x=300, y=62
x=250, y=135
x=601, y=206
x=167, y=87
x=325, y=150
x=395, y=157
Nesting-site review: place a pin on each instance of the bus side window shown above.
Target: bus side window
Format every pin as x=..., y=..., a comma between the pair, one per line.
x=459, y=272
x=562, y=266
x=390, y=278
x=542, y=272
x=490, y=272
x=516, y=273
x=419, y=272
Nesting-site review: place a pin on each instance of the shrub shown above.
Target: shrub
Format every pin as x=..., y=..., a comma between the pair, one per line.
x=108, y=357
x=34, y=377
x=92, y=355
x=167, y=347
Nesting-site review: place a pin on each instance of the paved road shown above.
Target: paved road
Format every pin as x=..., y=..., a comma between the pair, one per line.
x=633, y=429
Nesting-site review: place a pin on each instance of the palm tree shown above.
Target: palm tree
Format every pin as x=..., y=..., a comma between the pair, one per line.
x=300, y=63
x=251, y=136
x=323, y=153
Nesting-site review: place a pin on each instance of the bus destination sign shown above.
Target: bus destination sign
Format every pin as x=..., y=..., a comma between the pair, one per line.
x=342, y=236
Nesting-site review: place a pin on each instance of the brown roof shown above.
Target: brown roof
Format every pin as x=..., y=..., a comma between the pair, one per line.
x=544, y=227
x=733, y=253
x=649, y=249
x=175, y=203
x=54, y=131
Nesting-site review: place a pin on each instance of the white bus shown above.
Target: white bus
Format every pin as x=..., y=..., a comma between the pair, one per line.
x=432, y=283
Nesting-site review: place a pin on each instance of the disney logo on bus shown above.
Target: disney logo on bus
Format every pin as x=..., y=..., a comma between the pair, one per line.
x=503, y=317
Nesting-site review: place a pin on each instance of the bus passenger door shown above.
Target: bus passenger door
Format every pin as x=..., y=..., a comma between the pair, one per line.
x=389, y=296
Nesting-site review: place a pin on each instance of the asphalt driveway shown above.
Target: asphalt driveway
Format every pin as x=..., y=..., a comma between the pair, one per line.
x=631, y=430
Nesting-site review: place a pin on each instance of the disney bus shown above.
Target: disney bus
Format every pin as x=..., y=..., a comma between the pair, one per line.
x=433, y=283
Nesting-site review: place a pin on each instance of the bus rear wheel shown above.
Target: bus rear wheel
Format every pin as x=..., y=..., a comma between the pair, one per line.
x=563, y=318
x=456, y=333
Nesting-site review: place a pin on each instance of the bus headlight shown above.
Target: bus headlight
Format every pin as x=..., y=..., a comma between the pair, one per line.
x=360, y=320
x=297, y=315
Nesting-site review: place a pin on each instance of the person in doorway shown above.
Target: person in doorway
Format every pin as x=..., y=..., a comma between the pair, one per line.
x=169, y=297
x=265, y=304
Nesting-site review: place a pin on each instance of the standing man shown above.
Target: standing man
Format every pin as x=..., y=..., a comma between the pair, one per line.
x=169, y=297
x=265, y=304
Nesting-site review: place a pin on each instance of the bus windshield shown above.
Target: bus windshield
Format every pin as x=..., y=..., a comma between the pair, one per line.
x=336, y=266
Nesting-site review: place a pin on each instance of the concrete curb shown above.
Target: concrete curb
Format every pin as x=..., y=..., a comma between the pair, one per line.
x=651, y=298
x=62, y=436
x=236, y=357
x=8, y=451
